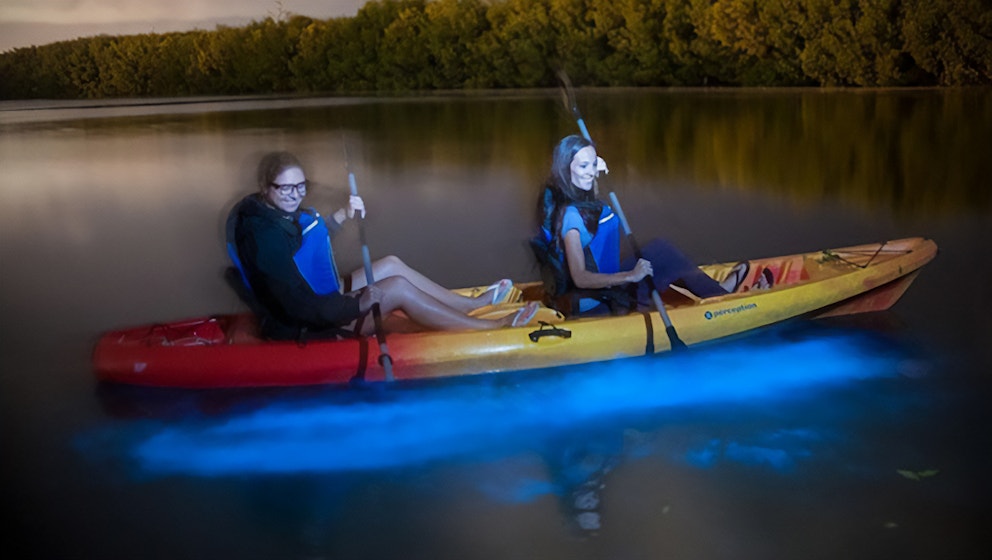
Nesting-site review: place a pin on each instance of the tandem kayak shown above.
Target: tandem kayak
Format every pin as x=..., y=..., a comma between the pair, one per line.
x=226, y=350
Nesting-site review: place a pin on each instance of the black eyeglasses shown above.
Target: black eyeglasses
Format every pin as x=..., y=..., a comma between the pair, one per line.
x=287, y=190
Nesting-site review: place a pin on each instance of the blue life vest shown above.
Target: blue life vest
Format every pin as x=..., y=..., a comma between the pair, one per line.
x=602, y=252
x=605, y=245
x=315, y=259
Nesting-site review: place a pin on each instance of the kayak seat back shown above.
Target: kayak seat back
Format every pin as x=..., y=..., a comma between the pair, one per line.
x=793, y=271
x=786, y=271
x=235, y=275
x=561, y=294
x=234, y=279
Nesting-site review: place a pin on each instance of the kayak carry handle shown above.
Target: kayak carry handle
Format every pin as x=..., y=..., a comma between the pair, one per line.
x=547, y=329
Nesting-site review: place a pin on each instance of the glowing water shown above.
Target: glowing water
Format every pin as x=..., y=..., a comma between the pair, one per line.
x=478, y=419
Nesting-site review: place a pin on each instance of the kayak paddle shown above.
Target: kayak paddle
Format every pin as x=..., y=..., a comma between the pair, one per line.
x=385, y=360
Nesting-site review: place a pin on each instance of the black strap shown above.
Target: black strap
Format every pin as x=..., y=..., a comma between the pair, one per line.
x=649, y=329
x=363, y=351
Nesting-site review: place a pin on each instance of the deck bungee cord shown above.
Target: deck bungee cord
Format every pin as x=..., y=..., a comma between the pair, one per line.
x=829, y=254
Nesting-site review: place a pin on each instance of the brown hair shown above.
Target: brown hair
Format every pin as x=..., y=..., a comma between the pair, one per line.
x=559, y=192
x=274, y=163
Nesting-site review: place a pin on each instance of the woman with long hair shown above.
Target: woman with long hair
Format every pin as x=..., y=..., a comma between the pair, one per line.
x=583, y=232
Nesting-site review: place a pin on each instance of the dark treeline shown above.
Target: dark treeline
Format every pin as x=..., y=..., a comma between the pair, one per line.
x=402, y=45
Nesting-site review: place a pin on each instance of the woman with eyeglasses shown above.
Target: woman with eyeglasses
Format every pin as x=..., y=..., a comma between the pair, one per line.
x=285, y=257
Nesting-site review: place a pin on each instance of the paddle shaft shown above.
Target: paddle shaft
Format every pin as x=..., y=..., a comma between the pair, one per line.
x=380, y=334
x=673, y=336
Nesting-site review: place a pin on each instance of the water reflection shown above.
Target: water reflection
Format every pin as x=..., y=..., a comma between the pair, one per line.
x=915, y=151
x=579, y=465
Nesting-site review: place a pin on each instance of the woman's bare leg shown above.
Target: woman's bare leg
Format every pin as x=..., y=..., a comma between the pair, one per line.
x=392, y=266
x=396, y=293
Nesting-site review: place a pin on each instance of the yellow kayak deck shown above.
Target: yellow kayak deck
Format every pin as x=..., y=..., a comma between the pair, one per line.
x=225, y=351
x=840, y=281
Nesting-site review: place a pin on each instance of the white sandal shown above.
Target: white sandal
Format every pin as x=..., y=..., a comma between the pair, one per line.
x=525, y=315
x=501, y=290
x=735, y=279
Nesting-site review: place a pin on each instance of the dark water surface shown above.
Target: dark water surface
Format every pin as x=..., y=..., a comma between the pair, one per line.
x=860, y=437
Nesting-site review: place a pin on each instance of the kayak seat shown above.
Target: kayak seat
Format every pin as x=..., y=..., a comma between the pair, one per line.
x=790, y=270
x=786, y=271
x=561, y=294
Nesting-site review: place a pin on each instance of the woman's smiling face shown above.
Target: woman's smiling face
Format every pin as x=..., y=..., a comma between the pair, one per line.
x=583, y=168
x=287, y=201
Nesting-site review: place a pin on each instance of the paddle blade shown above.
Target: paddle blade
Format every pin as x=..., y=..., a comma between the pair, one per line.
x=673, y=338
x=568, y=94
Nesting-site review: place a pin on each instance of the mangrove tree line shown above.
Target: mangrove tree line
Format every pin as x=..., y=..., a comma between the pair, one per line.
x=402, y=45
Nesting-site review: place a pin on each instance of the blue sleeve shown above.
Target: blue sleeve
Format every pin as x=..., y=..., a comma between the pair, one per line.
x=573, y=220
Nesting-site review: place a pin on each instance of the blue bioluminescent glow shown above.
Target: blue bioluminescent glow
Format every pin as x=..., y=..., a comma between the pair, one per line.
x=480, y=418
x=781, y=454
